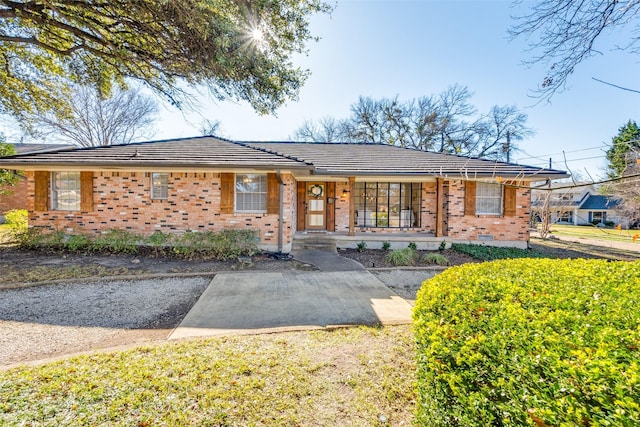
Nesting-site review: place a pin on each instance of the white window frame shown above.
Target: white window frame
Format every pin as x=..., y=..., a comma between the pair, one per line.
x=489, y=199
x=257, y=200
x=159, y=191
x=65, y=191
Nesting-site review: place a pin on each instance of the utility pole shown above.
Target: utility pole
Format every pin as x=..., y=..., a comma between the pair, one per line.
x=506, y=147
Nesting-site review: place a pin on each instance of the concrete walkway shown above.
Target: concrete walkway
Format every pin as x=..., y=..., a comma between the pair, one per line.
x=327, y=260
x=255, y=302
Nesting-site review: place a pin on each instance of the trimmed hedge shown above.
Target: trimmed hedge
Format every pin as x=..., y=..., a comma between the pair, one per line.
x=513, y=342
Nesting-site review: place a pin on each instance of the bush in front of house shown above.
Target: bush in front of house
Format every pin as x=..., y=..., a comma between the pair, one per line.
x=222, y=245
x=405, y=256
x=513, y=342
x=16, y=220
x=490, y=253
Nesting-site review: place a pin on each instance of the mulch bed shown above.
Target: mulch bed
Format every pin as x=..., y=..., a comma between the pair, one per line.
x=375, y=258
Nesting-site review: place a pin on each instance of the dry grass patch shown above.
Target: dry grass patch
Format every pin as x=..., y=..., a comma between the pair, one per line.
x=355, y=376
x=16, y=274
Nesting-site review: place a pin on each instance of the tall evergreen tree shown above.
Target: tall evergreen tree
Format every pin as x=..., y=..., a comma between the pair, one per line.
x=625, y=150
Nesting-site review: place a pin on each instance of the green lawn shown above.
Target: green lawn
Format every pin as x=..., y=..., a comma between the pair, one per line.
x=592, y=232
x=355, y=376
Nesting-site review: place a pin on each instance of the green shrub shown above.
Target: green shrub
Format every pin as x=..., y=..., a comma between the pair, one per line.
x=386, y=246
x=413, y=246
x=223, y=245
x=78, y=242
x=502, y=342
x=38, y=237
x=405, y=256
x=118, y=241
x=443, y=246
x=17, y=219
x=437, y=259
x=362, y=246
x=490, y=253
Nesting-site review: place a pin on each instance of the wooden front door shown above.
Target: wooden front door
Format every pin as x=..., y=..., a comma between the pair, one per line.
x=316, y=216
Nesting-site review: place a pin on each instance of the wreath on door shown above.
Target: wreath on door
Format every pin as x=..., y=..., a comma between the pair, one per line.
x=316, y=190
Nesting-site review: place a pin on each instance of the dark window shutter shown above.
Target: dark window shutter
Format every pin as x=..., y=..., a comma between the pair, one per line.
x=86, y=191
x=509, y=201
x=273, y=194
x=469, y=198
x=301, y=200
x=331, y=207
x=227, y=185
x=42, y=190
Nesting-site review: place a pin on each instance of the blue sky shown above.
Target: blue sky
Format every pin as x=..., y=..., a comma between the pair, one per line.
x=416, y=48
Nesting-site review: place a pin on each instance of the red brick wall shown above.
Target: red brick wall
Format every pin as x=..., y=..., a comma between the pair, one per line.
x=122, y=201
x=16, y=200
x=470, y=227
x=456, y=225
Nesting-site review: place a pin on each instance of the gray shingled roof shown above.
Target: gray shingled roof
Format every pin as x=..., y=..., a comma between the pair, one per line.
x=382, y=159
x=193, y=152
x=317, y=158
x=24, y=148
x=599, y=203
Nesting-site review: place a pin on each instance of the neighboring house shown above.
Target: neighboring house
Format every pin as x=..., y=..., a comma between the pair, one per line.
x=351, y=192
x=578, y=205
x=18, y=197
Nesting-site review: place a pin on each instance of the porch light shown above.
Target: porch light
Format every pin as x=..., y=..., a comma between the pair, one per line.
x=345, y=193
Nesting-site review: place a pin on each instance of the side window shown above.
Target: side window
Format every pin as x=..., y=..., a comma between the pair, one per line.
x=251, y=192
x=488, y=199
x=65, y=191
x=159, y=186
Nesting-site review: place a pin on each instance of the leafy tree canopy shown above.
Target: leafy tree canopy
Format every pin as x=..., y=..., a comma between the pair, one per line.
x=625, y=150
x=7, y=178
x=238, y=49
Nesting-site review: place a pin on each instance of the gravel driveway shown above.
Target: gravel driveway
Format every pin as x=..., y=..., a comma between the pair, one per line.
x=47, y=321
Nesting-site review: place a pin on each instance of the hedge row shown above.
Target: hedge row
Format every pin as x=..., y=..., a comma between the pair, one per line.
x=518, y=342
x=222, y=245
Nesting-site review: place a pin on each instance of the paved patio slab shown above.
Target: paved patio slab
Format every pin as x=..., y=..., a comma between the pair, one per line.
x=246, y=302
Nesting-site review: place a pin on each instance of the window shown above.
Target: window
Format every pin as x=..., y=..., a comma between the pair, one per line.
x=159, y=186
x=251, y=192
x=387, y=204
x=488, y=199
x=65, y=191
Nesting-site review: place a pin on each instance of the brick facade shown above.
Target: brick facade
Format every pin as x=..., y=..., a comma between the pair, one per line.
x=489, y=227
x=122, y=200
x=17, y=199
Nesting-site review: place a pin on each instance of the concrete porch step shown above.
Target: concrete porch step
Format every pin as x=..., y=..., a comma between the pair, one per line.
x=315, y=242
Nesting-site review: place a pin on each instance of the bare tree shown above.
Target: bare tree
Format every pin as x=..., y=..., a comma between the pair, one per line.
x=565, y=33
x=446, y=122
x=209, y=127
x=95, y=121
x=327, y=129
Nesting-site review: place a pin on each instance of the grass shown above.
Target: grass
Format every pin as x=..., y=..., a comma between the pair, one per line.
x=12, y=274
x=4, y=233
x=352, y=376
x=598, y=233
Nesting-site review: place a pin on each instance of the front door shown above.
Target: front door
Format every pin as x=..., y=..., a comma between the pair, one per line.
x=316, y=206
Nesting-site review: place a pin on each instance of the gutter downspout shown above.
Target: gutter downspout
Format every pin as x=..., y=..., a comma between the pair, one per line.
x=280, y=217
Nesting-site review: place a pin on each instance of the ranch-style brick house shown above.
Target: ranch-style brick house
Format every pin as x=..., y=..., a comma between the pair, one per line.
x=283, y=190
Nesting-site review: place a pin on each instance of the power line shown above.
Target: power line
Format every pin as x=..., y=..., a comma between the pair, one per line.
x=543, y=156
